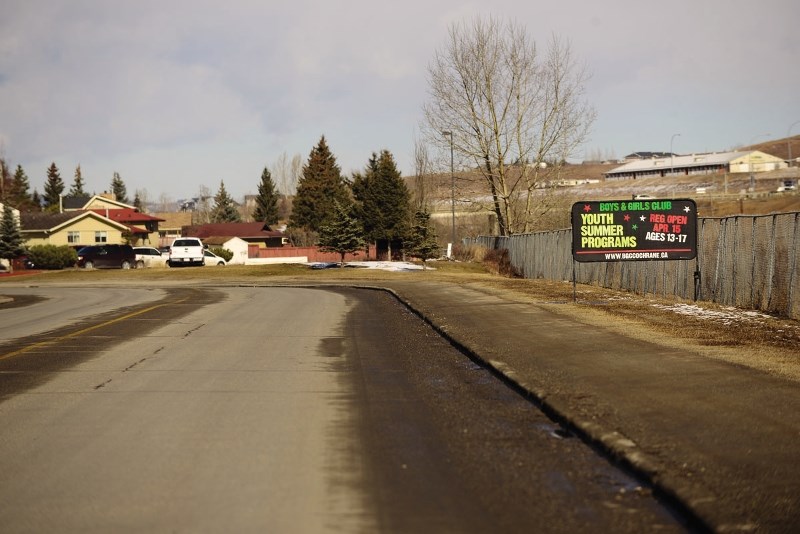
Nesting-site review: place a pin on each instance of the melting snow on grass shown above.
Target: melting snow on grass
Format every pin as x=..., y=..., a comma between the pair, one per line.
x=725, y=315
x=382, y=265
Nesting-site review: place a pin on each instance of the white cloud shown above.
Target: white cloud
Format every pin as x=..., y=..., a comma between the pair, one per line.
x=178, y=92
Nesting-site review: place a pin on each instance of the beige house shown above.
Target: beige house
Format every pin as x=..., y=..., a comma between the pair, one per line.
x=143, y=229
x=70, y=228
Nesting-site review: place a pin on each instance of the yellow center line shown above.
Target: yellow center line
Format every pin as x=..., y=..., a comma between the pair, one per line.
x=87, y=329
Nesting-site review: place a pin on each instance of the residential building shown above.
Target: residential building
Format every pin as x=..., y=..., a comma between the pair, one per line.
x=73, y=228
x=255, y=232
x=142, y=229
x=171, y=226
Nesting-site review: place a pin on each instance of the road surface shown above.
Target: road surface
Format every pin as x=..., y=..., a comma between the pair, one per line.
x=283, y=410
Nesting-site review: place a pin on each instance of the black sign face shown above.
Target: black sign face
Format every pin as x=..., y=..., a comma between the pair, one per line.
x=634, y=230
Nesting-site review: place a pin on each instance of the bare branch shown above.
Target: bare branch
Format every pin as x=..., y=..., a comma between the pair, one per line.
x=509, y=110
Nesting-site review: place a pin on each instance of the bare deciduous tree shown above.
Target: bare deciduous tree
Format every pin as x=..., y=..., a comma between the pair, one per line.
x=514, y=115
x=202, y=211
x=422, y=168
x=286, y=173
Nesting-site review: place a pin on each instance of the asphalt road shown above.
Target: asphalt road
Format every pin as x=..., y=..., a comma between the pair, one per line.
x=283, y=410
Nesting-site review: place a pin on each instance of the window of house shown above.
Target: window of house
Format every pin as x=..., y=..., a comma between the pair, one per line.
x=73, y=237
x=101, y=237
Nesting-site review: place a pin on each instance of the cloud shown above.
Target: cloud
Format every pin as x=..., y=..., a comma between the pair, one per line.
x=176, y=92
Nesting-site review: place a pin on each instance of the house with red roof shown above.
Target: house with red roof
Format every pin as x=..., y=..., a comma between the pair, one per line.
x=141, y=228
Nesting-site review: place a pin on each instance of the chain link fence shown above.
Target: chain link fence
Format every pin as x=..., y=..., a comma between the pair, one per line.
x=744, y=261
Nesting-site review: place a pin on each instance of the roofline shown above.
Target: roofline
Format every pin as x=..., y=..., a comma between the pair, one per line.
x=101, y=197
x=83, y=215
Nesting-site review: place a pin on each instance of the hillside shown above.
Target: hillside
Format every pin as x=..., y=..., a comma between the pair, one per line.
x=717, y=195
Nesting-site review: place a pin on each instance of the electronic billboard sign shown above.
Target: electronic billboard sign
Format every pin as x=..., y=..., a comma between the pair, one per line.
x=634, y=230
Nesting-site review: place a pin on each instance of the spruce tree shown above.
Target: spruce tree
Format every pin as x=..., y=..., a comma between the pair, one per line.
x=36, y=199
x=267, y=200
x=422, y=240
x=119, y=189
x=53, y=188
x=383, y=199
x=20, y=196
x=76, y=189
x=342, y=233
x=11, y=243
x=137, y=202
x=320, y=185
x=224, y=209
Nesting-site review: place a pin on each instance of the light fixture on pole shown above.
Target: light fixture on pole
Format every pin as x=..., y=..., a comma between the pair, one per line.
x=671, y=155
x=452, y=186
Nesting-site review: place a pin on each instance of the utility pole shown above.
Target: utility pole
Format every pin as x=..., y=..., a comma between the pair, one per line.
x=452, y=187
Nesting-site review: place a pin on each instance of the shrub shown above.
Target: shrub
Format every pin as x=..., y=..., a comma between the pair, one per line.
x=300, y=237
x=498, y=261
x=223, y=253
x=52, y=256
x=474, y=253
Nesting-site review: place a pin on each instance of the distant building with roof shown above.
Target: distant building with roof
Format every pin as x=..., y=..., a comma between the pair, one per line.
x=252, y=232
x=711, y=163
x=172, y=225
x=647, y=155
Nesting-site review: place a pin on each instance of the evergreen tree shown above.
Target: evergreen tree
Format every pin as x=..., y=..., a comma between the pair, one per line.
x=20, y=196
x=266, y=201
x=11, y=243
x=383, y=199
x=320, y=185
x=137, y=202
x=422, y=240
x=53, y=188
x=343, y=232
x=76, y=190
x=224, y=209
x=36, y=198
x=119, y=189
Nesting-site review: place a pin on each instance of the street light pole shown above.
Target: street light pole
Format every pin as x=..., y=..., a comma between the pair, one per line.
x=452, y=187
x=671, y=155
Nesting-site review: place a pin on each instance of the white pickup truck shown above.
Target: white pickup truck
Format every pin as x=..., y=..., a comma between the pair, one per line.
x=186, y=251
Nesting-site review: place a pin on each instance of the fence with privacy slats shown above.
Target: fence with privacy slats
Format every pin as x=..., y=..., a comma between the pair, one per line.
x=744, y=261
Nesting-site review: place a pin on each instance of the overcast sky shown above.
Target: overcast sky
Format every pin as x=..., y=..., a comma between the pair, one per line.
x=178, y=94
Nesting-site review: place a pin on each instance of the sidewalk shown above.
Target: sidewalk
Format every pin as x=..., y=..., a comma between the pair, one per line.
x=722, y=439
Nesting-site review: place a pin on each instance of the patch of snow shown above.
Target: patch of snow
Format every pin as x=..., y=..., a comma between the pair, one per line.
x=382, y=265
x=726, y=316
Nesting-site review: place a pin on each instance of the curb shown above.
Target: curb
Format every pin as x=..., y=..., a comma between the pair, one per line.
x=616, y=447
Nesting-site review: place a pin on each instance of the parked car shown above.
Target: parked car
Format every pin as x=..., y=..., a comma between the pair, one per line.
x=213, y=259
x=150, y=257
x=186, y=251
x=107, y=256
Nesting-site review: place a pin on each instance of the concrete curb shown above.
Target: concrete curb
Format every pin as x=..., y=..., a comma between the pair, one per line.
x=615, y=446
